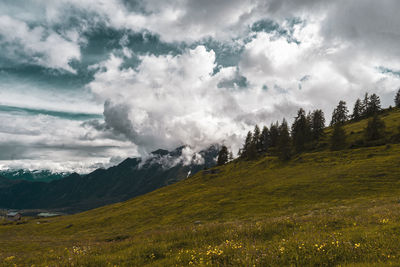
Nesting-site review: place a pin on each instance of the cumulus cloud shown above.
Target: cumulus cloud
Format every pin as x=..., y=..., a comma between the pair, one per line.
x=314, y=71
x=38, y=45
x=176, y=100
x=312, y=54
x=173, y=20
x=168, y=100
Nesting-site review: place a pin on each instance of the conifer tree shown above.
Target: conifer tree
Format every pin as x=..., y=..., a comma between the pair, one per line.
x=252, y=152
x=397, y=99
x=284, y=141
x=317, y=124
x=273, y=134
x=338, y=138
x=249, y=149
x=357, y=110
x=364, y=105
x=246, y=145
x=374, y=105
x=300, y=131
x=256, y=141
x=375, y=128
x=222, y=156
x=265, y=139
x=340, y=113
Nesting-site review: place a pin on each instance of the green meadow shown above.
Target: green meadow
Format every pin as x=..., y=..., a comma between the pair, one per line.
x=321, y=208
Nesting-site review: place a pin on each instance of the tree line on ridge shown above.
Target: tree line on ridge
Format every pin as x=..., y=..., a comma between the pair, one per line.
x=307, y=130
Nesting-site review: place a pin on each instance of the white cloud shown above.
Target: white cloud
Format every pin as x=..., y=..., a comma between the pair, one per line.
x=47, y=142
x=33, y=97
x=173, y=100
x=169, y=100
x=38, y=45
x=187, y=156
x=314, y=73
x=180, y=20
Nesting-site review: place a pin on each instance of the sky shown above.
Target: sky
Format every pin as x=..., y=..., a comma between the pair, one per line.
x=85, y=84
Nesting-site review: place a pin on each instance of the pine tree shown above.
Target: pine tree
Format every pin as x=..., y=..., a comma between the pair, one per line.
x=374, y=105
x=222, y=156
x=340, y=113
x=249, y=150
x=284, y=141
x=300, y=131
x=317, y=124
x=364, y=105
x=357, y=110
x=247, y=146
x=256, y=141
x=265, y=139
x=309, y=121
x=397, y=99
x=338, y=138
x=375, y=128
x=273, y=134
x=252, y=152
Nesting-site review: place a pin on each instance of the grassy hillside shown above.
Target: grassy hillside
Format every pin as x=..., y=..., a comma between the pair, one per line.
x=320, y=208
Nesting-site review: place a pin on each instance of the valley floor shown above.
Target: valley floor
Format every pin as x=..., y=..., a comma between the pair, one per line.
x=364, y=233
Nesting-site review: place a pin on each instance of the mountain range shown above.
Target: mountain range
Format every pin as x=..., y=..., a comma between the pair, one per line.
x=130, y=178
x=33, y=175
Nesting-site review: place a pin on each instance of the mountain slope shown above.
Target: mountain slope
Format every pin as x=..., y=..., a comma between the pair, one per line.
x=5, y=182
x=130, y=178
x=252, y=189
x=319, y=209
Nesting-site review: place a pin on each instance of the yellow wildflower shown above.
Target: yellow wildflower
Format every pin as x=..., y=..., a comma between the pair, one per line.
x=9, y=258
